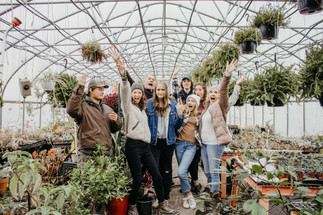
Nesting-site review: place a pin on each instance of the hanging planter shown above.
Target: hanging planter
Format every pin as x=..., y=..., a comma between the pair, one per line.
x=247, y=47
x=248, y=39
x=268, y=32
x=309, y=6
x=257, y=103
x=48, y=85
x=3, y=185
x=276, y=103
x=91, y=51
x=267, y=19
x=321, y=100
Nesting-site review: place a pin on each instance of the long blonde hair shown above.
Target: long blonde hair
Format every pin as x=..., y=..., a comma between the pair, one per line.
x=162, y=106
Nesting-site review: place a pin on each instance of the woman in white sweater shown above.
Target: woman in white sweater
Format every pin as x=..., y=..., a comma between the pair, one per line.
x=133, y=103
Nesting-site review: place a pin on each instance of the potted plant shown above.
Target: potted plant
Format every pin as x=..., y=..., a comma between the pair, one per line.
x=280, y=83
x=103, y=179
x=91, y=51
x=243, y=92
x=144, y=201
x=248, y=39
x=214, y=65
x=47, y=81
x=268, y=19
x=311, y=74
x=4, y=178
x=255, y=91
x=309, y=6
x=62, y=89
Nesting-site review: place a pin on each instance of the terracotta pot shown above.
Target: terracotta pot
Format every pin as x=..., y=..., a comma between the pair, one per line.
x=311, y=175
x=319, y=175
x=3, y=185
x=117, y=206
x=15, y=22
x=309, y=6
x=268, y=32
x=247, y=47
x=286, y=176
x=300, y=175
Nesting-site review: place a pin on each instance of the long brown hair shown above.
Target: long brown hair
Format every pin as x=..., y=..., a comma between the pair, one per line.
x=203, y=85
x=142, y=103
x=161, y=107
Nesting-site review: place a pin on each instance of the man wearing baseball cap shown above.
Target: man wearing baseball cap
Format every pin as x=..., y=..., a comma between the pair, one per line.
x=96, y=120
x=186, y=87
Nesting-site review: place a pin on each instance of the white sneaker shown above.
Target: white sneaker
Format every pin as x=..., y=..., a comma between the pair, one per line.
x=186, y=204
x=156, y=204
x=192, y=203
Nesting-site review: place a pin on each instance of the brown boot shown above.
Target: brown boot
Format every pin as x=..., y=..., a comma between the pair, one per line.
x=165, y=209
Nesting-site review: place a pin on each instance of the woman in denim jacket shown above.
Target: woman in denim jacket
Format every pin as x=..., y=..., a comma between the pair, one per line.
x=162, y=121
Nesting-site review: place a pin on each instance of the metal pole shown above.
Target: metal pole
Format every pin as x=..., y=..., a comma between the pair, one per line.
x=287, y=120
x=23, y=116
x=304, y=119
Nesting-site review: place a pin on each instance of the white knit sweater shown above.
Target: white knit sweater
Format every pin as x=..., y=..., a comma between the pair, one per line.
x=136, y=121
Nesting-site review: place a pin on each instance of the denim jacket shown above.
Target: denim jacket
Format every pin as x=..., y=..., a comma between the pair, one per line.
x=172, y=119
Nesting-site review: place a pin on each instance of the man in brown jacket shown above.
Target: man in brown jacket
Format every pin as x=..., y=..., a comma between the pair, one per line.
x=96, y=120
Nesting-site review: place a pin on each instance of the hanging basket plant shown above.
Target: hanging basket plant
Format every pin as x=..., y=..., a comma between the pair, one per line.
x=47, y=81
x=255, y=91
x=280, y=83
x=268, y=19
x=248, y=39
x=91, y=51
x=309, y=6
x=62, y=90
x=311, y=74
x=214, y=65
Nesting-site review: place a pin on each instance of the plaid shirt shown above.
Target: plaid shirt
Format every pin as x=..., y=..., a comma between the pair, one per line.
x=184, y=119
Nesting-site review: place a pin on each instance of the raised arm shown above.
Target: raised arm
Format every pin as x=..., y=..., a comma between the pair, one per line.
x=224, y=88
x=73, y=106
x=236, y=92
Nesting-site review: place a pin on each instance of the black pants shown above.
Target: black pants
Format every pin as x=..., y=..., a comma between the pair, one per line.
x=163, y=154
x=138, y=152
x=194, y=166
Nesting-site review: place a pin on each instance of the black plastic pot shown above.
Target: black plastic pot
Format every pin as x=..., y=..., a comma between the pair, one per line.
x=238, y=103
x=309, y=6
x=277, y=103
x=145, y=206
x=321, y=100
x=247, y=47
x=268, y=32
x=253, y=103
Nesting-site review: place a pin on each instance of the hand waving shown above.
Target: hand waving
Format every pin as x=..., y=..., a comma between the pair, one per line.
x=122, y=68
x=82, y=79
x=240, y=80
x=114, y=54
x=176, y=71
x=231, y=67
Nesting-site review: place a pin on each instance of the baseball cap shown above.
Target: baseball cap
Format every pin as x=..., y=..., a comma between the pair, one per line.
x=96, y=82
x=187, y=77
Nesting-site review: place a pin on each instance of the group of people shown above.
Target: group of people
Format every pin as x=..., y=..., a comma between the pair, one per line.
x=191, y=122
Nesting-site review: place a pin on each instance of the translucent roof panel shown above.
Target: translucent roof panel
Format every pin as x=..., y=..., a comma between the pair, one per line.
x=153, y=36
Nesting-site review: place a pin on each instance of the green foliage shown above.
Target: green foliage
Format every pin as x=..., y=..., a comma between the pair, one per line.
x=45, y=198
x=101, y=178
x=244, y=86
x=63, y=89
x=247, y=34
x=280, y=83
x=255, y=90
x=214, y=65
x=91, y=51
x=270, y=15
x=311, y=73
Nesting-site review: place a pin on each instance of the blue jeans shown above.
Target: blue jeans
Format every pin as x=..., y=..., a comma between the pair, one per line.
x=211, y=156
x=185, y=152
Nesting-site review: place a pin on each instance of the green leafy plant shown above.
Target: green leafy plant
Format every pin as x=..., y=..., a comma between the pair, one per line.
x=311, y=73
x=91, y=51
x=280, y=83
x=101, y=178
x=214, y=65
x=247, y=35
x=270, y=15
x=63, y=89
x=256, y=91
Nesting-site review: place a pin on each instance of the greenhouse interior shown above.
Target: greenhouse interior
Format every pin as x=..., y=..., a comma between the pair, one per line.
x=161, y=107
